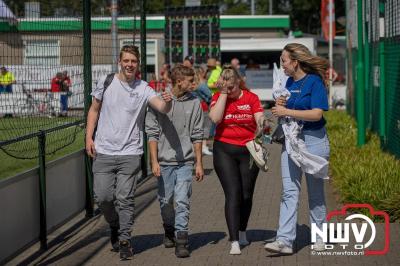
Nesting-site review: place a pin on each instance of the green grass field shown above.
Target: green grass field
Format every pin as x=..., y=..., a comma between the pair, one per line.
x=17, y=127
x=11, y=166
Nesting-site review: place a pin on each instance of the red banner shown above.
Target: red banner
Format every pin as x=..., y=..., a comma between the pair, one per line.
x=326, y=5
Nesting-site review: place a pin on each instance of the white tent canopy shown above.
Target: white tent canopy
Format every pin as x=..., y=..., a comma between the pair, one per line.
x=6, y=14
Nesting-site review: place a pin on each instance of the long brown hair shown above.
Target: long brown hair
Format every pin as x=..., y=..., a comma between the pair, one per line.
x=309, y=63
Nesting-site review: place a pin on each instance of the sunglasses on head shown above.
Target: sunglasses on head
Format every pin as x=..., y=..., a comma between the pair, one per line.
x=227, y=67
x=134, y=47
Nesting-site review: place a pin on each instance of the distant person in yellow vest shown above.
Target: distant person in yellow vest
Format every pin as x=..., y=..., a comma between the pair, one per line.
x=6, y=80
x=215, y=71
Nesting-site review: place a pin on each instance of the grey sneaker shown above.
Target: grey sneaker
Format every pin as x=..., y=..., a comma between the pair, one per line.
x=319, y=245
x=243, y=239
x=278, y=247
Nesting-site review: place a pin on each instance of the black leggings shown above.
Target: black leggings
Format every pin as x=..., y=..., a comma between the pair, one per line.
x=238, y=179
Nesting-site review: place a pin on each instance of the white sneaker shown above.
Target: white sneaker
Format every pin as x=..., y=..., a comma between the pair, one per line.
x=278, y=247
x=235, y=248
x=259, y=156
x=243, y=238
x=206, y=151
x=319, y=245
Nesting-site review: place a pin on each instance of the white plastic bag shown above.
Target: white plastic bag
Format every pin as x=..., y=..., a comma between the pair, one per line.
x=279, y=86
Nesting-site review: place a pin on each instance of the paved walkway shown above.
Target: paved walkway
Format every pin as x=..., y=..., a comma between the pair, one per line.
x=86, y=242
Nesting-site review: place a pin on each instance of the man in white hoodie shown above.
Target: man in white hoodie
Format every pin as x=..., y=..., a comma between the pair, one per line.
x=172, y=137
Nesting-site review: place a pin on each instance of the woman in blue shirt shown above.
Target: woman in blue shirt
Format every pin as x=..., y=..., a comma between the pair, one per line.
x=306, y=104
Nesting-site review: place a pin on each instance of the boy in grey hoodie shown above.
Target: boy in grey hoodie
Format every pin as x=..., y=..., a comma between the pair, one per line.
x=172, y=137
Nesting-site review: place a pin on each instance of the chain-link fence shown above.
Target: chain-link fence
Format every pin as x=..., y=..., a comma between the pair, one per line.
x=52, y=52
x=380, y=61
x=42, y=77
x=392, y=77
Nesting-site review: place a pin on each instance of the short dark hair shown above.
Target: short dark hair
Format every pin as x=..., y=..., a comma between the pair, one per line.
x=180, y=72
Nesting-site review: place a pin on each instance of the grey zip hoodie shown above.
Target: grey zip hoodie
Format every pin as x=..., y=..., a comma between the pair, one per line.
x=177, y=130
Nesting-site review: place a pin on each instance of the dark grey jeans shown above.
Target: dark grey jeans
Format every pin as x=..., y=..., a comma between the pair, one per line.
x=115, y=178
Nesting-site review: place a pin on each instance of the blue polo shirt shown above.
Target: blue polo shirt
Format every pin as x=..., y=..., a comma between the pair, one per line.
x=306, y=94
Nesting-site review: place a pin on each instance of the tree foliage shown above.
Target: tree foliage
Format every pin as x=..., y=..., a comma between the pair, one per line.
x=304, y=14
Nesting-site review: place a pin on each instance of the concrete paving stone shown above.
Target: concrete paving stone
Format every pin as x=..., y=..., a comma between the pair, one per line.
x=89, y=244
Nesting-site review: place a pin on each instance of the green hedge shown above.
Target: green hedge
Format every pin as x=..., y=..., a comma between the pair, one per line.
x=362, y=175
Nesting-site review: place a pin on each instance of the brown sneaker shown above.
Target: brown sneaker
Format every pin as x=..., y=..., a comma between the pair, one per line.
x=182, y=244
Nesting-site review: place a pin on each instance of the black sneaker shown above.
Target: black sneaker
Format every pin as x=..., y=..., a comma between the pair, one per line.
x=114, y=238
x=125, y=250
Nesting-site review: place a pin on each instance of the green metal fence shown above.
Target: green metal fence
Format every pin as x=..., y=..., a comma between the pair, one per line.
x=373, y=34
x=37, y=46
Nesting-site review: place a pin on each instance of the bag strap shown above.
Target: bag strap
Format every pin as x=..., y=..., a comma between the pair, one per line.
x=106, y=84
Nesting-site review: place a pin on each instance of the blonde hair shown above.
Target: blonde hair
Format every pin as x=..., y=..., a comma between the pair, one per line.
x=180, y=72
x=131, y=49
x=309, y=63
x=230, y=73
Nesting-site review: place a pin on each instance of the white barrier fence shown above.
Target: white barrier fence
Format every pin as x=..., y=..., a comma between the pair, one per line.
x=19, y=202
x=30, y=93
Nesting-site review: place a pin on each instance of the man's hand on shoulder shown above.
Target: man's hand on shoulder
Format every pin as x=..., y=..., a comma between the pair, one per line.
x=163, y=104
x=166, y=96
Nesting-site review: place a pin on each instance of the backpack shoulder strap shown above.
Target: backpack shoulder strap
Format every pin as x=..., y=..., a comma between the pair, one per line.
x=107, y=81
x=106, y=84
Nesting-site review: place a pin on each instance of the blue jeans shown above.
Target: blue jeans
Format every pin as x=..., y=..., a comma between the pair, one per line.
x=317, y=143
x=6, y=88
x=64, y=102
x=175, y=186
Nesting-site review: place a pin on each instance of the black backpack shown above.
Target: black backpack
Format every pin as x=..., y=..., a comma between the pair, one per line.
x=106, y=84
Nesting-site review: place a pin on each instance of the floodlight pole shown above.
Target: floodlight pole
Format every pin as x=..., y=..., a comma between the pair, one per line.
x=87, y=79
x=114, y=35
x=360, y=87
